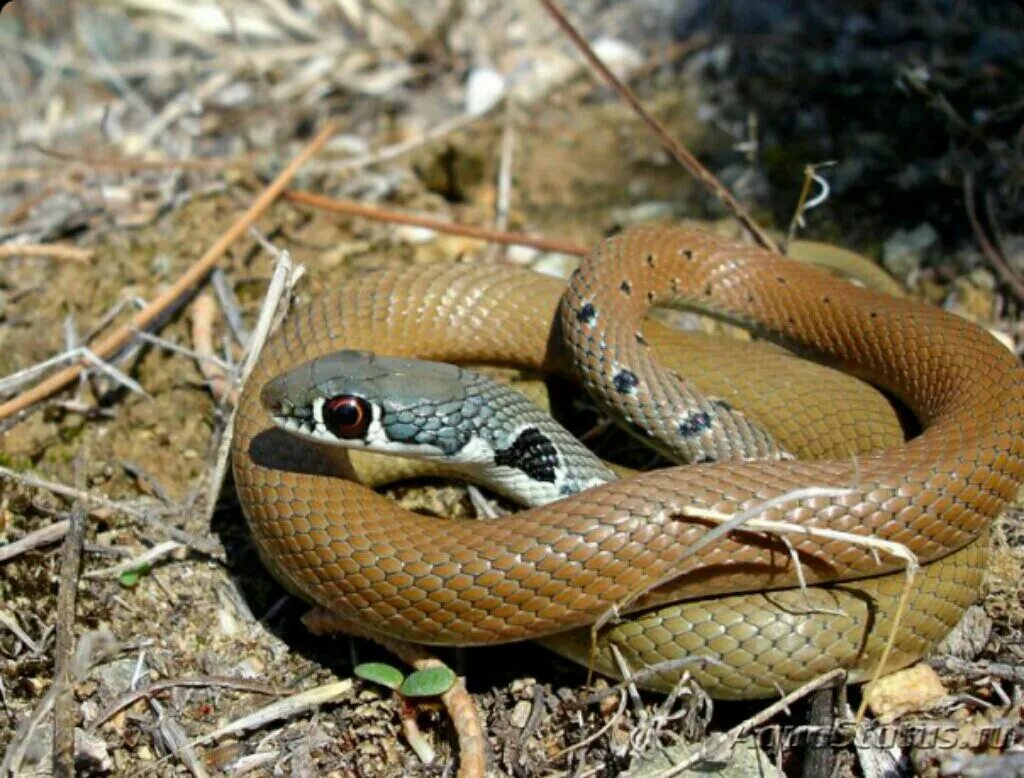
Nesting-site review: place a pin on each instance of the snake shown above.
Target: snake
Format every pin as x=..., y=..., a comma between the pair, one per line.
x=767, y=613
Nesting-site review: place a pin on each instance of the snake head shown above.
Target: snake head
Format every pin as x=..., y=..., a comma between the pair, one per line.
x=357, y=399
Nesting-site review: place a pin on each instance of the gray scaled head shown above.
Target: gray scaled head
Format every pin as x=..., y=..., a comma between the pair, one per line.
x=359, y=400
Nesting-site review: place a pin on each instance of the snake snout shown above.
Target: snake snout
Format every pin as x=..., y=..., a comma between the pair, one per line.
x=272, y=395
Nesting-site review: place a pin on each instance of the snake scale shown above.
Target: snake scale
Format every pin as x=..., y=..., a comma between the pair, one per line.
x=541, y=572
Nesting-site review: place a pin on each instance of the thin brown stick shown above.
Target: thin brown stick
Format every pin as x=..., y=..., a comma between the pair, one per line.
x=54, y=250
x=115, y=340
x=680, y=152
x=479, y=233
x=51, y=533
x=64, y=702
x=202, y=681
x=204, y=310
x=995, y=257
x=84, y=163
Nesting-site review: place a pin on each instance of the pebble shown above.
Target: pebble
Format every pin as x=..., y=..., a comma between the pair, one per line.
x=914, y=689
x=484, y=88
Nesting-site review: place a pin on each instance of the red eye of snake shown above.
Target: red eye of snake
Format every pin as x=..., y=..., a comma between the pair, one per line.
x=347, y=416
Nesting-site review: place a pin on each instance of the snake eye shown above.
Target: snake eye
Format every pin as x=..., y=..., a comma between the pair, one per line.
x=347, y=416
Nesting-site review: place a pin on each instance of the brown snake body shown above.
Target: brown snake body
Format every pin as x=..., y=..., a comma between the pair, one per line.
x=545, y=570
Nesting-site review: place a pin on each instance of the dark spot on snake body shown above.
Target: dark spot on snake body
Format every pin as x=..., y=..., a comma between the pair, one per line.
x=694, y=423
x=641, y=339
x=650, y=297
x=531, y=452
x=790, y=320
x=686, y=254
x=874, y=314
x=626, y=287
x=780, y=279
x=676, y=284
x=587, y=314
x=722, y=404
x=750, y=298
x=707, y=289
x=707, y=459
x=625, y=382
x=650, y=260
x=826, y=299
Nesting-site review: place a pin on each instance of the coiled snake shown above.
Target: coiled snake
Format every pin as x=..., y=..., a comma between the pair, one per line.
x=546, y=570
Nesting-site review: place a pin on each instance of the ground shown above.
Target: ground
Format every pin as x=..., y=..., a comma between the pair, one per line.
x=102, y=103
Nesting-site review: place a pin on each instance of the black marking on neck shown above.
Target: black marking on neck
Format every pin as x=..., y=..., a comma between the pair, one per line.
x=693, y=424
x=533, y=453
x=625, y=382
x=587, y=314
x=625, y=287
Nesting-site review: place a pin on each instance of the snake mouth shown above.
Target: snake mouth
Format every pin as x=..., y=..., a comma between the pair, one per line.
x=286, y=414
x=299, y=421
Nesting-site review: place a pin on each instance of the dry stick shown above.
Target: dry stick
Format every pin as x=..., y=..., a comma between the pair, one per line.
x=140, y=562
x=992, y=253
x=204, y=309
x=682, y=155
x=10, y=622
x=100, y=502
x=50, y=250
x=51, y=533
x=275, y=304
x=115, y=340
x=480, y=233
x=202, y=681
x=64, y=703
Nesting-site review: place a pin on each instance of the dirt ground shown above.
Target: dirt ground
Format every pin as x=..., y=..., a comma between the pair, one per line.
x=85, y=165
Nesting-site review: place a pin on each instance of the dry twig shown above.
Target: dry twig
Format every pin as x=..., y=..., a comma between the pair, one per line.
x=677, y=149
x=46, y=250
x=480, y=233
x=120, y=337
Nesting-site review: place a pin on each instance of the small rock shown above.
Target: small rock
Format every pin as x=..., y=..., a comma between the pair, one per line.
x=523, y=687
x=904, y=250
x=91, y=755
x=744, y=760
x=557, y=265
x=523, y=256
x=619, y=56
x=484, y=88
x=652, y=210
x=116, y=677
x=521, y=714
x=414, y=235
x=916, y=688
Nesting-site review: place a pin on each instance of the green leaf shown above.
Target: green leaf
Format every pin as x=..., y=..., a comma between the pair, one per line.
x=428, y=683
x=129, y=578
x=378, y=672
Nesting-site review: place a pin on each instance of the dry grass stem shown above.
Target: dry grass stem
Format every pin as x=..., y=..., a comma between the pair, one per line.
x=115, y=340
x=46, y=251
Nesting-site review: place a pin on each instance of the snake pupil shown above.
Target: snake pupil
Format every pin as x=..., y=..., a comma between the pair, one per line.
x=346, y=416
